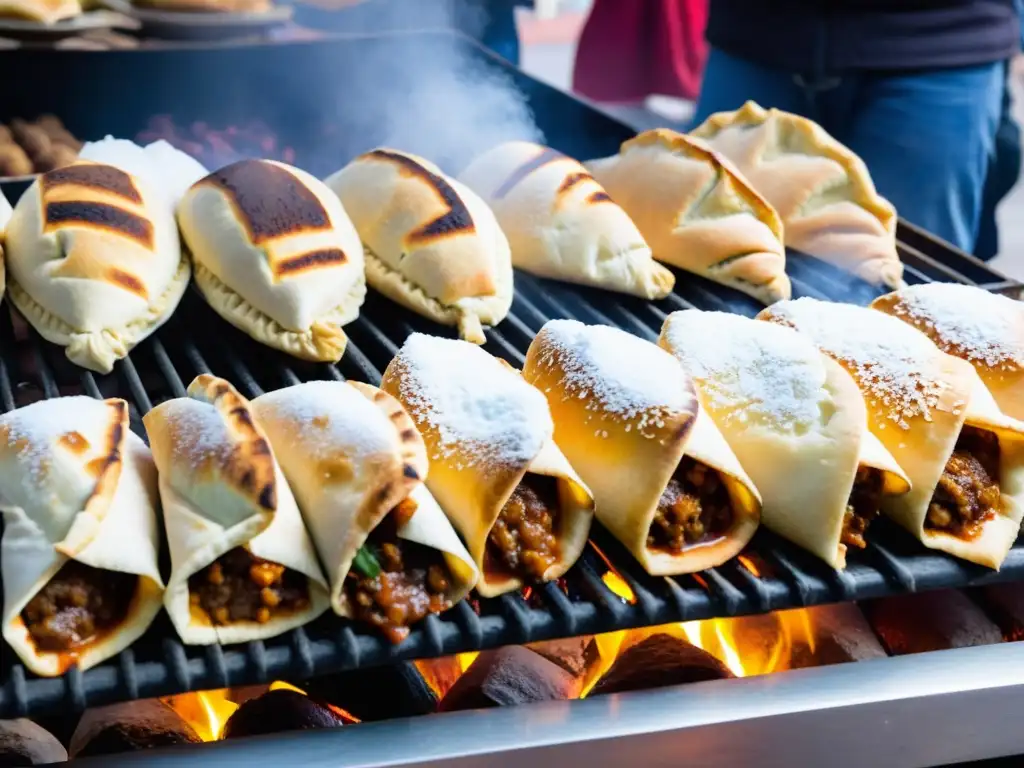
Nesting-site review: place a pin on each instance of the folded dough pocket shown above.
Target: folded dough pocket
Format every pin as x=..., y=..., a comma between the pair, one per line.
x=697, y=212
x=931, y=411
x=797, y=423
x=432, y=245
x=664, y=480
x=561, y=223
x=357, y=466
x=242, y=565
x=276, y=255
x=80, y=540
x=494, y=467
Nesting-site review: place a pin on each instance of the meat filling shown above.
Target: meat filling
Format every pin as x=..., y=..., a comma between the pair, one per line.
x=862, y=506
x=412, y=581
x=238, y=586
x=78, y=605
x=524, y=539
x=968, y=491
x=694, y=508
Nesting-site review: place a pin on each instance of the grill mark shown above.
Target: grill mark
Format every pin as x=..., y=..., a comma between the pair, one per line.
x=102, y=177
x=307, y=262
x=128, y=281
x=544, y=157
x=270, y=201
x=573, y=180
x=599, y=197
x=455, y=220
x=102, y=216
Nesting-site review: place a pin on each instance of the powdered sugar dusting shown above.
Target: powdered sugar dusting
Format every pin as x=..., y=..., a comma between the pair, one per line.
x=968, y=322
x=619, y=373
x=482, y=411
x=890, y=360
x=199, y=434
x=748, y=371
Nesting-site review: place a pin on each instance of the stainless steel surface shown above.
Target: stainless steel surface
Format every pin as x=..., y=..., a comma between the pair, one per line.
x=906, y=712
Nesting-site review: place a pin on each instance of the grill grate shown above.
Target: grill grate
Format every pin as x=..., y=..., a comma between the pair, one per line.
x=772, y=574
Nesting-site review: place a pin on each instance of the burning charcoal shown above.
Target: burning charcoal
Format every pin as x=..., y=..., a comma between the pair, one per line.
x=930, y=621
x=376, y=693
x=659, y=661
x=839, y=633
x=129, y=727
x=22, y=742
x=440, y=674
x=509, y=676
x=1005, y=604
x=279, y=711
x=575, y=654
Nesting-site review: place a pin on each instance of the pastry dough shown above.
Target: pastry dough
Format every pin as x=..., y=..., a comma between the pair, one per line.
x=5, y=216
x=226, y=504
x=276, y=255
x=697, y=212
x=934, y=415
x=561, y=224
x=78, y=493
x=94, y=261
x=494, y=467
x=983, y=328
x=353, y=458
x=665, y=482
x=797, y=423
x=432, y=244
x=43, y=11
x=821, y=189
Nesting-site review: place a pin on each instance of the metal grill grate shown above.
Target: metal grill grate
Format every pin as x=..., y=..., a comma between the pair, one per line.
x=772, y=574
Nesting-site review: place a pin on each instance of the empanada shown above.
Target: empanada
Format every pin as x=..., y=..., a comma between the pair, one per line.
x=797, y=423
x=494, y=467
x=80, y=541
x=5, y=216
x=963, y=456
x=697, y=212
x=561, y=224
x=983, y=328
x=242, y=565
x=432, y=244
x=665, y=482
x=94, y=261
x=357, y=466
x=821, y=189
x=43, y=11
x=275, y=255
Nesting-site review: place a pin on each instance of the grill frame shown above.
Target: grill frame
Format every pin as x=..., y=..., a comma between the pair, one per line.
x=161, y=367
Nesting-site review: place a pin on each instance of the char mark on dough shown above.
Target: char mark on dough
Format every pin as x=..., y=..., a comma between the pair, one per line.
x=544, y=157
x=100, y=216
x=599, y=197
x=455, y=221
x=307, y=262
x=102, y=177
x=270, y=201
x=128, y=281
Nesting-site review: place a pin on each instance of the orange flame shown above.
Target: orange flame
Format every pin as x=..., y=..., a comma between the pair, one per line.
x=749, y=564
x=205, y=711
x=613, y=579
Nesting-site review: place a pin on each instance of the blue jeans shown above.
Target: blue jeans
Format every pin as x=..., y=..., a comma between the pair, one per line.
x=925, y=136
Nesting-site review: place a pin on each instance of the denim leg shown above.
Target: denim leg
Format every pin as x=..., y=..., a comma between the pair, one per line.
x=926, y=138
x=729, y=81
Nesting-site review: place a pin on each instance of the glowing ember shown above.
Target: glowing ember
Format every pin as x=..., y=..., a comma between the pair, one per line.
x=749, y=564
x=466, y=659
x=205, y=711
x=618, y=585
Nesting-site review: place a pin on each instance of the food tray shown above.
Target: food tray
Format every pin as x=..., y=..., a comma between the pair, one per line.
x=195, y=341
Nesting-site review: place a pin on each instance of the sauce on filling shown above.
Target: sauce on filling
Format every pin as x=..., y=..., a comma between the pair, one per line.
x=238, y=586
x=968, y=491
x=77, y=605
x=862, y=506
x=523, y=541
x=694, y=508
x=412, y=582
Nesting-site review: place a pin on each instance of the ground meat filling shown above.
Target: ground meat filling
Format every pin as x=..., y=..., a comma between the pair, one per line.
x=412, y=582
x=77, y=605
x=968, y=491
x=695, y=508
x=238, y=586
x=524, y=542
x=862, y=506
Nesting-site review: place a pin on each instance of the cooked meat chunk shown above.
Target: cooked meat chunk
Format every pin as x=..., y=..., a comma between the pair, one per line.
x=862, y=506
x=968, y=491
x=694, y=508
x=524, y=541
x=238, y=586
x=77, y=605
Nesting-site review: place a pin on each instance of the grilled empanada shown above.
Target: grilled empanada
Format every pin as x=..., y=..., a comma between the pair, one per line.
x=561, y=224
x=822, y=190
x=43, y=11
x=697, y=212
x=432, y=244
x=276, y=256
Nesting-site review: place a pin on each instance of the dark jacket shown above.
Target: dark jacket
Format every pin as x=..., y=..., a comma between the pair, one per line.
x=829, y=36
